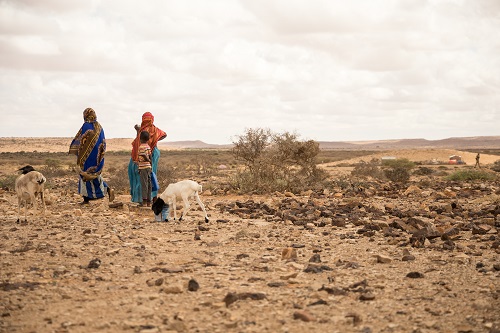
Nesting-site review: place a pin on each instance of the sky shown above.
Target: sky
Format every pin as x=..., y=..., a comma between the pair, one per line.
x=326, y=70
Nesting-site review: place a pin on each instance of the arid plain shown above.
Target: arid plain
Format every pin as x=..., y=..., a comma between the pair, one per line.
x=362, y=255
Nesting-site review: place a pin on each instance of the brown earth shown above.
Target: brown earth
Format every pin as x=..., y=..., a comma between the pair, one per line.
x=363, y=257
x=422, y=155
x=55, y=145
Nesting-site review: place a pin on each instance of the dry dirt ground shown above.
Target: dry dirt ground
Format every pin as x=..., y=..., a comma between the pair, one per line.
x=55, y=145
x=423, y=257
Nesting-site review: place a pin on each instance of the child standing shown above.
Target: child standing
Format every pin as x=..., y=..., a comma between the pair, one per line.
x=144, y=166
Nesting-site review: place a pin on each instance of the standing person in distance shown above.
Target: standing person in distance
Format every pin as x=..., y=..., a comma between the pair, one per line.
x=89, y=146
x=155, y=135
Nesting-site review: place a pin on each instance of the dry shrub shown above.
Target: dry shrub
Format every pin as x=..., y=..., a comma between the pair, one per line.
x=496, y=166
x=398, y=170
x=471, y=174
x=423, y=171
x=276, y=162
x=117, y=178
x=7, y=182
x=364, y=170
x=166, y=174
x=54, y=168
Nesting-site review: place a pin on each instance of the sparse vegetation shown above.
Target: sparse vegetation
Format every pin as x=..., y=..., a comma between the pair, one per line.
x=471, y=174
x=54, y=167
x=276, y=162
x=398, y=170
x=496, y=166
x=7, y=182
x=423, y=171
x=370, y=169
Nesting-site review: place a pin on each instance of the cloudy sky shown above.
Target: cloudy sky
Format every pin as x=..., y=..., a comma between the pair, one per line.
x=327, y=70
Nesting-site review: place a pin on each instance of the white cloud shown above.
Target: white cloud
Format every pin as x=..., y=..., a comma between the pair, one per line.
x=209, y=69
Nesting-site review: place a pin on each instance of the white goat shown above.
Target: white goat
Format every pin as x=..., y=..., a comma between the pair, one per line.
x=183, y=189
x=28, y=186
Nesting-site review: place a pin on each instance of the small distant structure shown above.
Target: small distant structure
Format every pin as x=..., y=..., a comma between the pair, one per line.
x=388, y=158
x=456, y=159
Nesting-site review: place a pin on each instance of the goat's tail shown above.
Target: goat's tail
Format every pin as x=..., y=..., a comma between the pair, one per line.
x=199, y=188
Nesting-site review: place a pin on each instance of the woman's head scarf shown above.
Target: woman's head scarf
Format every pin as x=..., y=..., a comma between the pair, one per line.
x=89, y=115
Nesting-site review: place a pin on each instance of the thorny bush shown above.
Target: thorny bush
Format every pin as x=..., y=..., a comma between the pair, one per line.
x=370, y=169
x=398, y=170
x=276, y=162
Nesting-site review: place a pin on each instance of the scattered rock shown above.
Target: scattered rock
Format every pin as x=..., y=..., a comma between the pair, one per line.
x=366, y=297
x=304, y=316
x=230, y=298
x=383, y=259
x=193, y=285
x=315, y=258
x=289, y=254
x=311, y=268
x=94, y=263
x=415, y=275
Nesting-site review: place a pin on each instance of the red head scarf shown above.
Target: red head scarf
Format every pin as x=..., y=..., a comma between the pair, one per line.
x=155, y=134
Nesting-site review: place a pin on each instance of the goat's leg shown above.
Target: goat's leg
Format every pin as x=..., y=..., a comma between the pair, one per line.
x=185, y=199
x=19, y=201
x=175, y=208
x=201, y=205
x=25, y=210
x=42, y=196
x=35, y=206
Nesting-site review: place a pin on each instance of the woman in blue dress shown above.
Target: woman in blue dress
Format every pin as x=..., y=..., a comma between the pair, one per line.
x=89, y=146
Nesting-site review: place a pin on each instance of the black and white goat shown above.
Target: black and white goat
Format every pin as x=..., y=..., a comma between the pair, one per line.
x=183, y=189
x=28, y=185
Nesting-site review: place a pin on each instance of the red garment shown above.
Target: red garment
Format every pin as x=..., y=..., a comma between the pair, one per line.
x=155, y=135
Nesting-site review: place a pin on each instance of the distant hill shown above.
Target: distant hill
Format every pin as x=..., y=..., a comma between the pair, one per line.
x=477, y=142
x=61, y=144
x=196, y=144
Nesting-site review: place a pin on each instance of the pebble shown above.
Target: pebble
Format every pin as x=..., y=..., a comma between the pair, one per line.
x=366, y=297
x=383, y=259
x=304, y=316
x=289, y=254
x=415, y=275
x=193, y=285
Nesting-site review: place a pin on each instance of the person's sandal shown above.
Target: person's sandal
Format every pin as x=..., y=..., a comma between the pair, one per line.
x=111, y=194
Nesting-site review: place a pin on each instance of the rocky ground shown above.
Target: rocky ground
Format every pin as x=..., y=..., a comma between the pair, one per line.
x=379, y=258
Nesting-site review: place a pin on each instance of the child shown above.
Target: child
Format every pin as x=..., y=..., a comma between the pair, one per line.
x=144, y=166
